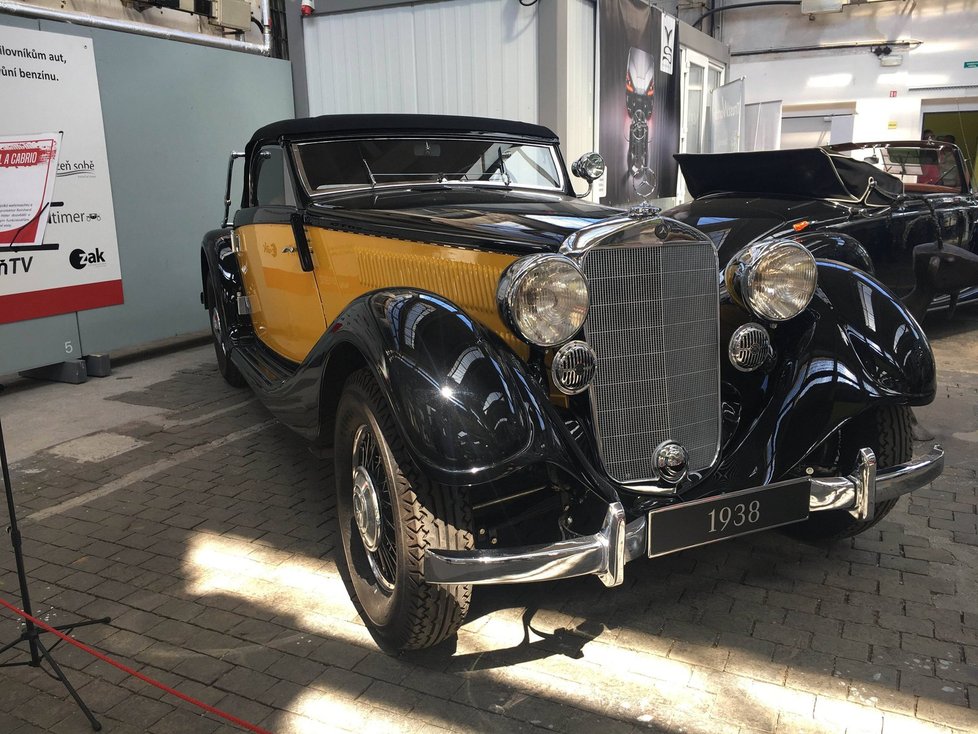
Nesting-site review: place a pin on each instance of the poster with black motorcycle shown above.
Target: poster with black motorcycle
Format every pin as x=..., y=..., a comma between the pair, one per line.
x=638, y=102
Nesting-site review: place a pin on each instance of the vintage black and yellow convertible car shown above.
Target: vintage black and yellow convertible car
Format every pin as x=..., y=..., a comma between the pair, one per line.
x=518, y=385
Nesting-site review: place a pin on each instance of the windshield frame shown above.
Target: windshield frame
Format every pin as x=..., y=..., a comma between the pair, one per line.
x=558, y=163
x=964, y=179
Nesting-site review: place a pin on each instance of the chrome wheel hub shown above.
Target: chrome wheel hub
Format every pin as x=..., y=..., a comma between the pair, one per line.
x=366, y=509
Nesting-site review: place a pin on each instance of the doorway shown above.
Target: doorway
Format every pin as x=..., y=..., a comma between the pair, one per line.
x=963, y=126
x=701, y=75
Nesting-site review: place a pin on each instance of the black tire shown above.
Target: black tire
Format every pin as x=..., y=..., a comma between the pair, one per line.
x=888, y=431
x=384, y=570
x=225, y=366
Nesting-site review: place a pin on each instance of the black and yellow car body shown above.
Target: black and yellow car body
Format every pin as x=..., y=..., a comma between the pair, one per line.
x=519, y=385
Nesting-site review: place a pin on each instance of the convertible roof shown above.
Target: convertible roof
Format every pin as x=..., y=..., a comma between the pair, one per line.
x=808, y=172
x=331, y=124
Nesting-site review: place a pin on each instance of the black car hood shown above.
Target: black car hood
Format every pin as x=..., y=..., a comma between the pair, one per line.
x=733, y=221
x=498, y=219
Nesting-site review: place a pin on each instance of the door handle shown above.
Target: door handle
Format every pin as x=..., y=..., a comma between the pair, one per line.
x=299, y=233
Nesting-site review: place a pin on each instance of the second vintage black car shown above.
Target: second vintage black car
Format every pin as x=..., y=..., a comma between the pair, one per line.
x=521, y=386
x=903, y=211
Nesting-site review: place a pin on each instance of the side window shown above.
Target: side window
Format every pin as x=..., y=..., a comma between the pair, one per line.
x=271, y=180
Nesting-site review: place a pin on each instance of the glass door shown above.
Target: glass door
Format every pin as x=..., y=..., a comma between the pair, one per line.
x=701, y=76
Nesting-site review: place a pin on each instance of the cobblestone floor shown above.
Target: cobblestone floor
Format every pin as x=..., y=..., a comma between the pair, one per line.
x=209, y=537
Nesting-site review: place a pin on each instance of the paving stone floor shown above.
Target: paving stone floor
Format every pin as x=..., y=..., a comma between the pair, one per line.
x=208, y=535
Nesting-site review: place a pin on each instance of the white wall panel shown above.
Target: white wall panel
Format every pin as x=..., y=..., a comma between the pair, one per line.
x=580, y=87
x=465, y=57
x=947, y=32
x=361, y=62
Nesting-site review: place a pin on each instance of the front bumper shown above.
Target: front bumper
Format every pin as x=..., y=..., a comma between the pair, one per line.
x=605, y=553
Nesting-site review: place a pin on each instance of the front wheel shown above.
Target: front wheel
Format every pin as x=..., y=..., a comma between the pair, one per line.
x=389, y=514
x=888, y=431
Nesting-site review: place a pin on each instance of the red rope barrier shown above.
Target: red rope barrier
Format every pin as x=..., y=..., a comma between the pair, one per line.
x=135, y=673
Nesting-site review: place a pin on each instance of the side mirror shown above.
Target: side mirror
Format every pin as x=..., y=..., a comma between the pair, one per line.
x=590, y=167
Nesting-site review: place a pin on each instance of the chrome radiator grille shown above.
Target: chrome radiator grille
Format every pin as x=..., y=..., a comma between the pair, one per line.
x=654, y=326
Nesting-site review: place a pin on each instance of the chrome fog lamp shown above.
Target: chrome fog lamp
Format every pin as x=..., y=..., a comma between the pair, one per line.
x=573, y=367
x=750, y=347
x=776, y=280
x=544, y=299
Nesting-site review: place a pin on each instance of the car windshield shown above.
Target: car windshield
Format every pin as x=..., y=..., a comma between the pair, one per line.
x=931, y=166
x=370, y=162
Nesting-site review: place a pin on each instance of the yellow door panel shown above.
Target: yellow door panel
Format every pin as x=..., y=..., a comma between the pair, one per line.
x=349, y=265
x=286, y=310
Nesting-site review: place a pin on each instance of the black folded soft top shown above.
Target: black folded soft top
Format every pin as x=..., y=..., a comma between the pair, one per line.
x=379, y=123
x=812, y=173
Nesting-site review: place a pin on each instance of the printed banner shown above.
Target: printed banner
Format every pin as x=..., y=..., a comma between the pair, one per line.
x=638, y=106
x=27, y=169
x=727, y=117
x=58, y=247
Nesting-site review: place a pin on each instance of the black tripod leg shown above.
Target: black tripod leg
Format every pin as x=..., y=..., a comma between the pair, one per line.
x=85, y=623
x=22, y=638
x=67, y=684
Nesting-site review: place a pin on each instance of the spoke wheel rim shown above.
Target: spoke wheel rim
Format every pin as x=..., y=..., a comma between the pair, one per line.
x=372, y=509
x=216, y=327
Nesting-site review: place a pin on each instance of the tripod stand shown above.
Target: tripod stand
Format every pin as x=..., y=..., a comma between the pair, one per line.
x=39, y=653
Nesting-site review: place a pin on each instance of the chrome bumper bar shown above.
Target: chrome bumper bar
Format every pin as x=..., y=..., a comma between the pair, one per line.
x=605, y=553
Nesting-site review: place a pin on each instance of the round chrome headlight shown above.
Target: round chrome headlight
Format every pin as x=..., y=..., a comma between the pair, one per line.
x=544, y=299
x=775, y=280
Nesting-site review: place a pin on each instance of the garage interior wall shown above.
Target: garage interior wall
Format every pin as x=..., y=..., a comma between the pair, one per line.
x=425, y=58
x=886, y=100
x=172, y=112
x=462, y=57
x=468, y=57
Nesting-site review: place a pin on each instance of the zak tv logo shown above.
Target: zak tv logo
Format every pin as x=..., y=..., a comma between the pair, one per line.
x=80, y=259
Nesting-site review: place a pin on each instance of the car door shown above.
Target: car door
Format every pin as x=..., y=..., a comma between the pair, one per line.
x=285, y=306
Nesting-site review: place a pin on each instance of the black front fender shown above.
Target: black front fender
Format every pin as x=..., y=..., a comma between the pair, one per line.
x=466, y=406
x=880, y=333
x=218, y=263
x=828, y=245
x=855, y=347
